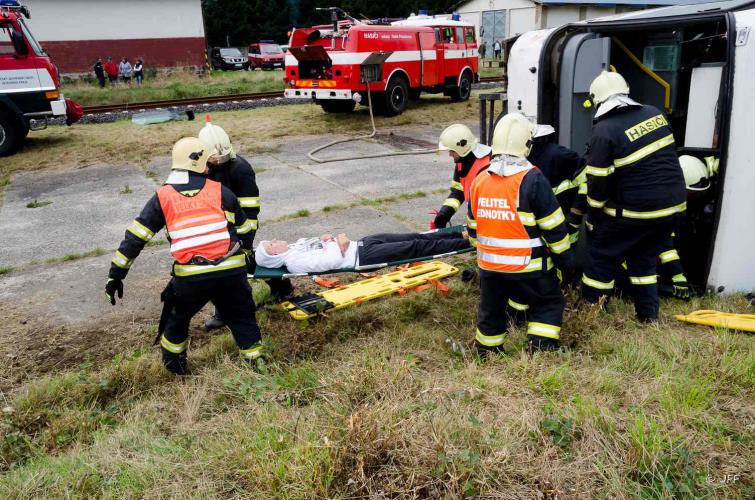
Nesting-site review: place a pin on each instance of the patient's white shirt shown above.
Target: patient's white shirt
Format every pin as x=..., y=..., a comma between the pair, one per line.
x=314, y=258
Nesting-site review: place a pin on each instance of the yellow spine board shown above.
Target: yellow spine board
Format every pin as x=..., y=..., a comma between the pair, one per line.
x=380, y=286
x=731, y=321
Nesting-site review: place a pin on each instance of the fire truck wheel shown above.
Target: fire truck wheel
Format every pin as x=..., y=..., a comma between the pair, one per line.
x=10, y=134
x=463, y=91
x=396, y=97
x=337, y=106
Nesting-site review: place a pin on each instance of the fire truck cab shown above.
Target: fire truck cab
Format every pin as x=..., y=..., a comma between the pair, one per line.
x=29, y=81
x=333, y=65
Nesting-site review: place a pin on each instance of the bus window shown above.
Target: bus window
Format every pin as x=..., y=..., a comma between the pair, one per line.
x=470, y=35
x=459, y=34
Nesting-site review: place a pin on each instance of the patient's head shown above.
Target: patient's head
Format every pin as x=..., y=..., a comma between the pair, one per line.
x=275, y=247
x=271, y=253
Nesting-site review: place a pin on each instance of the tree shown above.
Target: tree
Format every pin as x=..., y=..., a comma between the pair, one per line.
x=246, y=21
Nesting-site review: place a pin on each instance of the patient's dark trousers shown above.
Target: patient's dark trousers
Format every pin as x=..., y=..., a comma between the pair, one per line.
x=389, y=247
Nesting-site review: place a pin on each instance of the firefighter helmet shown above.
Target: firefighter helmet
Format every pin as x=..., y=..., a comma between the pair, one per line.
x=513, y=136
x=607, y=84
x=457, y=138
x=695, y=171
x=189, y=153
x=218, y=142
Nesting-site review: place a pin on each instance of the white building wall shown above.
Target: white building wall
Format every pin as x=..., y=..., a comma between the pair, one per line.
x=69, y=20
x=557, y=16
x=522, y=21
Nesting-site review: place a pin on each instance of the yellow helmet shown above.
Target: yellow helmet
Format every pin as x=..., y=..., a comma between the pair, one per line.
x=607, y=84
x=457, y=138
x=695, y=171
x=513, y=136
x=218, y=142
x=189, y=153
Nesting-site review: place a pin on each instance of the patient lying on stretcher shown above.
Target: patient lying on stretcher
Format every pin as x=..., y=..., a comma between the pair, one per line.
x=328, y=252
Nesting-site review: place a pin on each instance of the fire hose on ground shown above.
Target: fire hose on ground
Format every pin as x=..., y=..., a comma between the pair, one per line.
x=314, y=158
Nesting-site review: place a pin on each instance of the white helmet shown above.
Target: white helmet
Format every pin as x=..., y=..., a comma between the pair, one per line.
x=607, y=84
x=695, y=171
x=218, y=142
x=190, y=154
x=457, y=138
x=513, y=136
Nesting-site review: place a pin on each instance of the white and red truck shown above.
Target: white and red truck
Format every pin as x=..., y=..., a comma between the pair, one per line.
x=29, y=81
x=333, y=64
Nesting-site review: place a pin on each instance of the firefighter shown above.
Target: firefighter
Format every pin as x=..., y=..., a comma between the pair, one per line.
x=519, y=231
x=635, y=193
x=236, y=173
x=470, y=158
x=562, y=167
x=208, y=233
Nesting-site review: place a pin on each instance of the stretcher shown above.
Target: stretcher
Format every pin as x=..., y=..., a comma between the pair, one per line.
x=731, y=321
x=413, y=278
x=262, y=273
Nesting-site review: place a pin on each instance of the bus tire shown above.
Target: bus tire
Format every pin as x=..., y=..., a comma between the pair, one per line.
x=395, y=97
x=337, y=105
x=464, y=90
x=11, y=133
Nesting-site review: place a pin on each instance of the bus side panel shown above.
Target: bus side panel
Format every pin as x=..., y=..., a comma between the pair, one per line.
x=733, y=263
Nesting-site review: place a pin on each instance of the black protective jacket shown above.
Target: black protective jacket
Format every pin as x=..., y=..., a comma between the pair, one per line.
x=151, y=220
x=238, y=176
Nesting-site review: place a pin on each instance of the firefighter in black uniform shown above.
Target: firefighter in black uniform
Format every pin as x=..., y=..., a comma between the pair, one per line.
x=636, y=194
x=519, y=231
x=470, y=158
x=208, y=232
x=236, y=173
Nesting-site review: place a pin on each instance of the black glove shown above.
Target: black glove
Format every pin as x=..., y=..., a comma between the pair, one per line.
x=681, y=290
x=574, y=221
x=251, y=263
x=443, y=217
x=565, y=264
x=112, y=286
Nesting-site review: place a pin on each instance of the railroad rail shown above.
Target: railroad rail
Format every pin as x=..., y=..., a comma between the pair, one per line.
x=198, y=101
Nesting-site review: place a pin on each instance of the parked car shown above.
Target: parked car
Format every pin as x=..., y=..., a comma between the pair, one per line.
x=266, y=55
x=228, y=58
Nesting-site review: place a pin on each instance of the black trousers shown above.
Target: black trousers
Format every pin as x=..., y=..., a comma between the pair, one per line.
x=542, y=294
x=232, y=297
x=388, y=247
x=639, y=244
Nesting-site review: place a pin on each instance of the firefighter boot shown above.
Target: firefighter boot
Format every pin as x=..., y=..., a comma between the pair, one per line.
x=485, y=352
x=215, y=322
x=543, y=343
x=280, y=289
x=175, y=363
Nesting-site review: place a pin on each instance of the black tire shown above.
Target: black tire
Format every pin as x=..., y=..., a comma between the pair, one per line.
x=337, y=105
x=11, y=134
x=464, y=90
x=395, y=98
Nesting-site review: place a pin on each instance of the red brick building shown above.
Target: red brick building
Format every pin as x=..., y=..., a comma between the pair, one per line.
x=163, y=33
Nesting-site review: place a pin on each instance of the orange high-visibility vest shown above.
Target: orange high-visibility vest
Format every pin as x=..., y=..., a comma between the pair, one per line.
x=503, y=244
x=478, y=166
x=196, y=225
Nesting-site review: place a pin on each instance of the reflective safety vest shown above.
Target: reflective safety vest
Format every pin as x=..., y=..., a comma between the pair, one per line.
x=478, y=166
x=196, y=225
x=503, y=244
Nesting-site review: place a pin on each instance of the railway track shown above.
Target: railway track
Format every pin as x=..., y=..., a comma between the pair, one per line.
x=198, y=101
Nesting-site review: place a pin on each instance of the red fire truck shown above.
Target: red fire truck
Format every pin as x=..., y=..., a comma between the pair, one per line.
x=29, y=81
x=333, y=64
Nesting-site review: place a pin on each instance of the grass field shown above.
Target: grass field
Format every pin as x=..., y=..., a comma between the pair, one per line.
x=385, y=400
x=122, y=141
x=179, y=85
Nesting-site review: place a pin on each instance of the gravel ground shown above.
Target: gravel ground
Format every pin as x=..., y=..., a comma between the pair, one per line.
x=220, y=106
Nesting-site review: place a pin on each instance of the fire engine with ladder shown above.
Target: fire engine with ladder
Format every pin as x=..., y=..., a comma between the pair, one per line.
x=29, y=81
x=333, y=64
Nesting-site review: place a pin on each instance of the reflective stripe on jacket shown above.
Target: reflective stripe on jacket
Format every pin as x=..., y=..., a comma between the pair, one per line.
x=196, y=225
x=503, y=244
